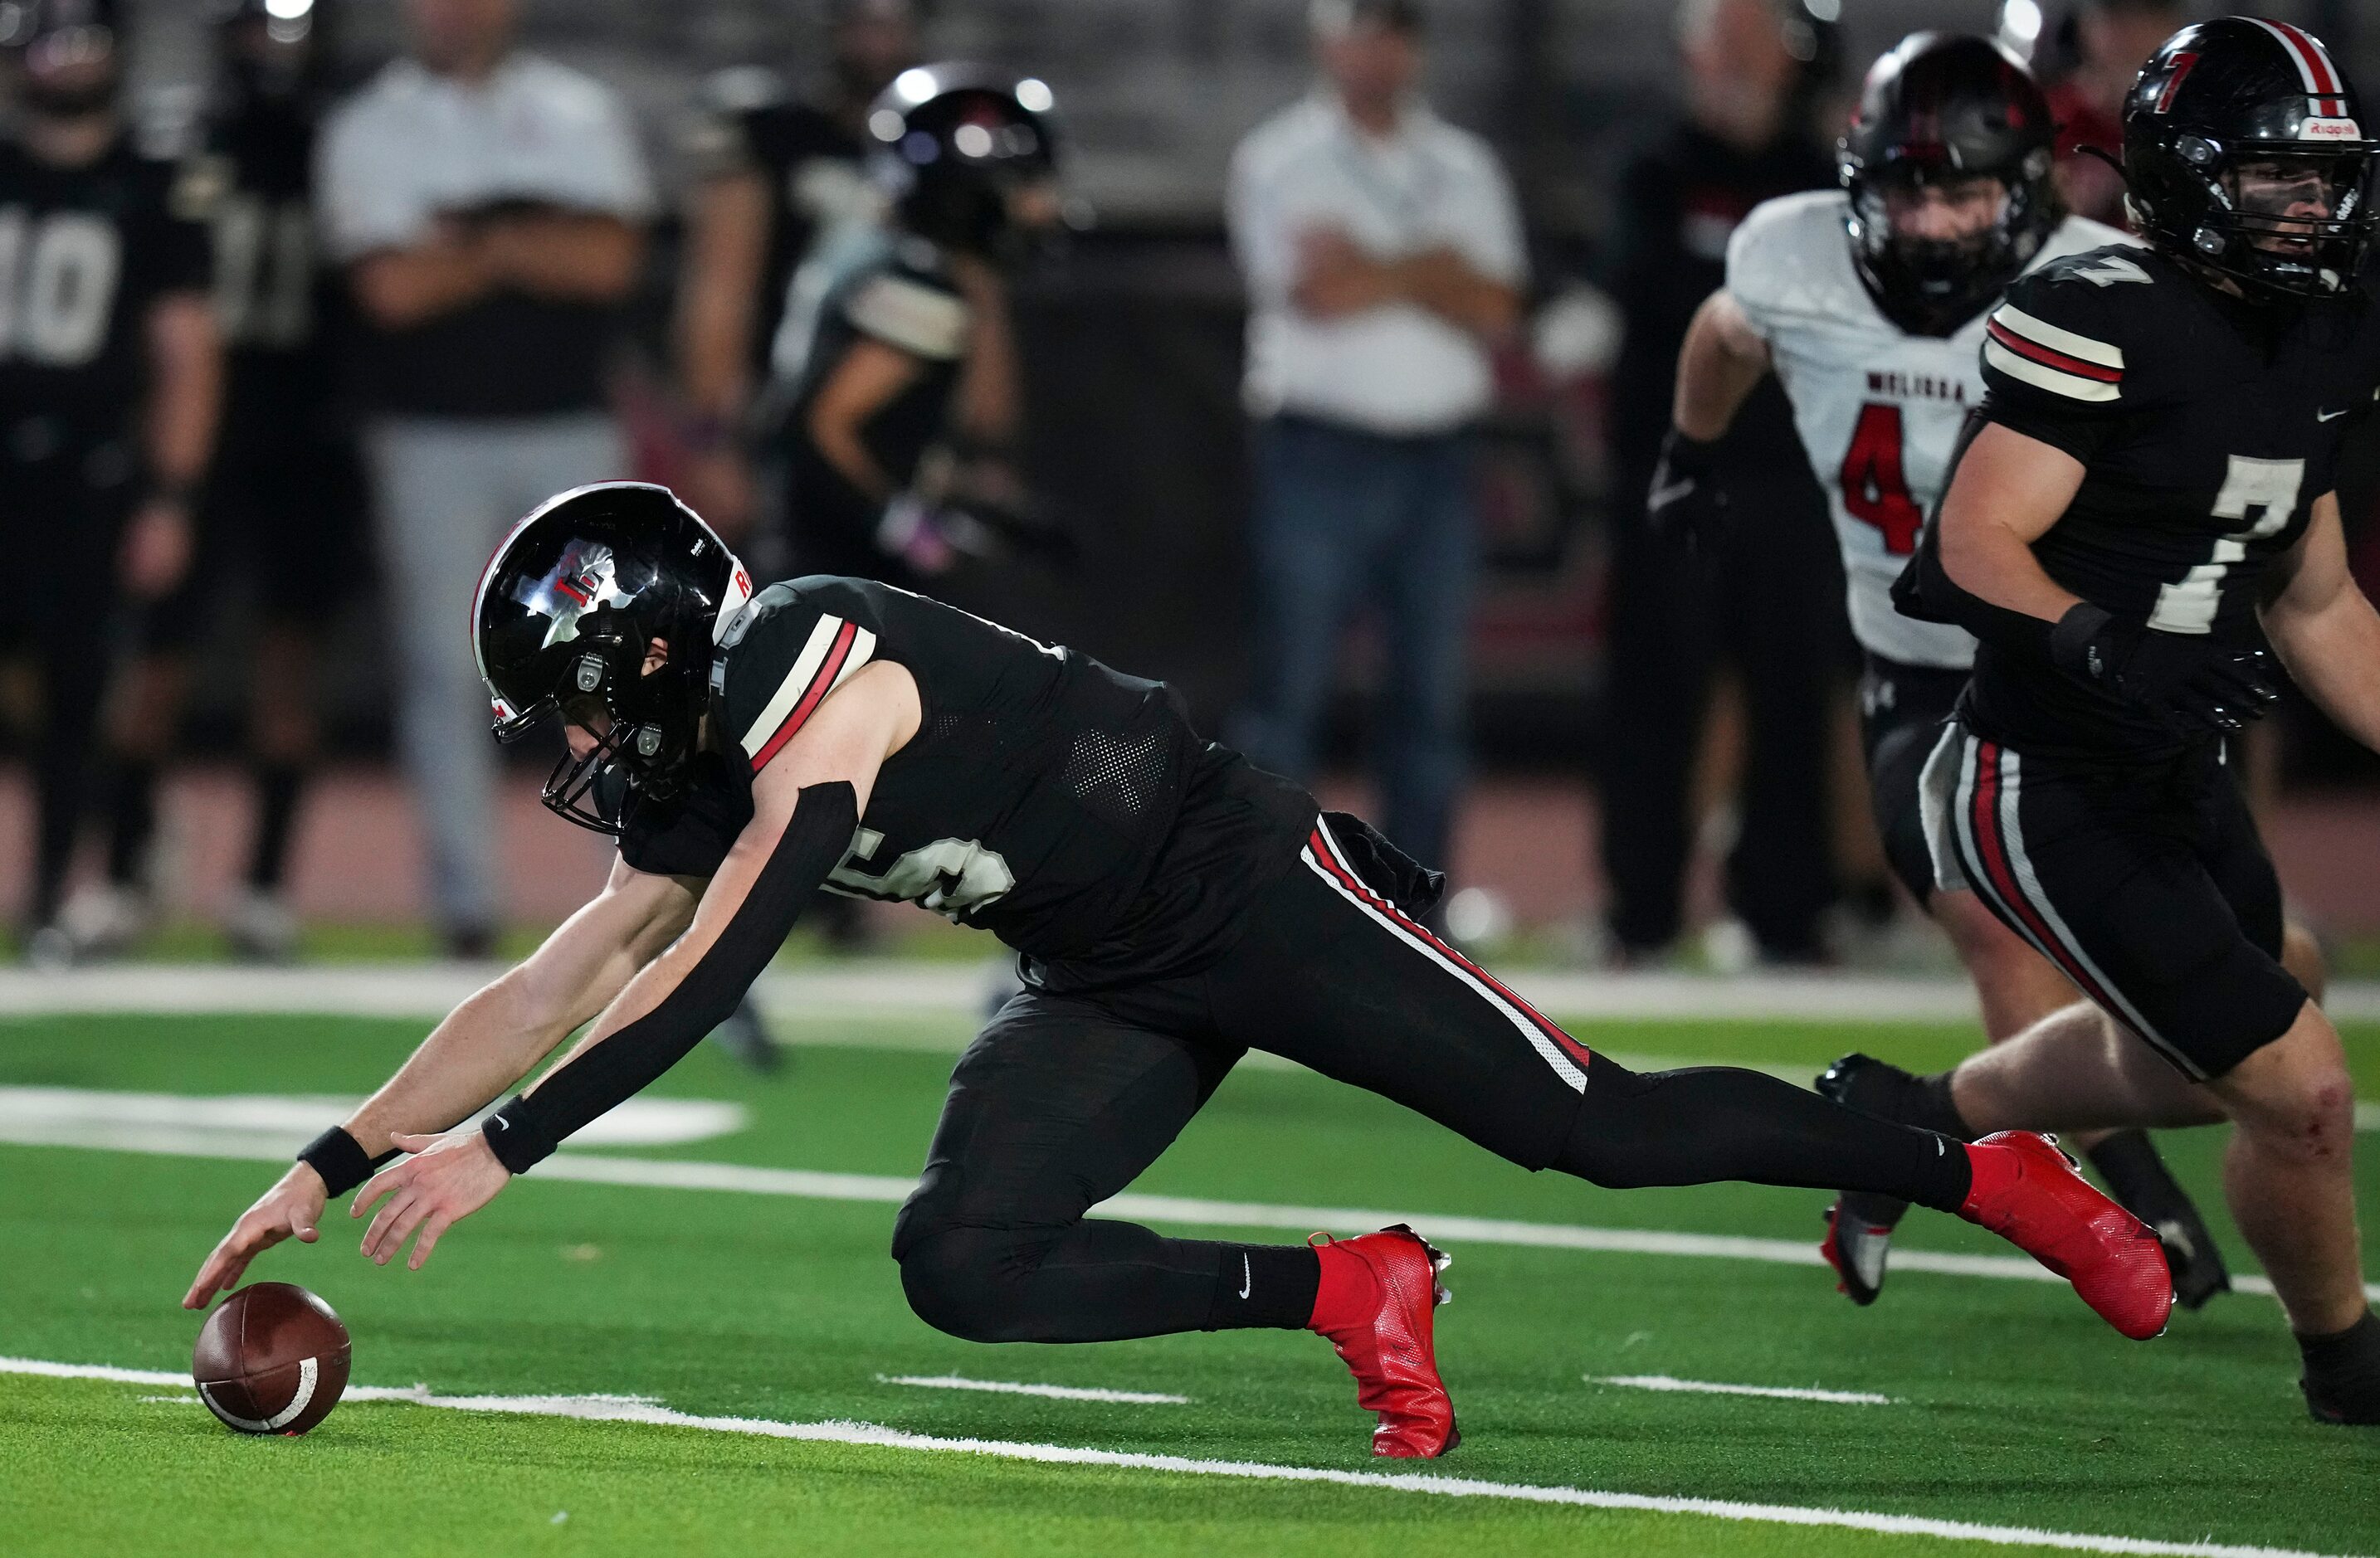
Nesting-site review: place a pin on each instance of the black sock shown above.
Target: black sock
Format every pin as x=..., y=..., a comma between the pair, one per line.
x=1704, y=1124
x=1265, y=1285
x=2357, y=1345
x=278, y=785
x=132, y=820
x=1930, y=1107
x=2137, y=1176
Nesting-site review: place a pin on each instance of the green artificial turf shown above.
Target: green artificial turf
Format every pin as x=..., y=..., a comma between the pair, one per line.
x=2013, y=1403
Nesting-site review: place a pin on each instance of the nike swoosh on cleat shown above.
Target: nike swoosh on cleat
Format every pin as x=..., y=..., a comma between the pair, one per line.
x=1247, y=1279
x=2330, y=416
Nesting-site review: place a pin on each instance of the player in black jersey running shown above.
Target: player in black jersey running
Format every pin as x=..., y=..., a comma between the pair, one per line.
x=110, y=371
x=1174, y=907
x=2150, y=478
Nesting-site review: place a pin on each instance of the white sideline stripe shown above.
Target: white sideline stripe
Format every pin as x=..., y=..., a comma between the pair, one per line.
x=1055, y=1393
x=600, y=1408
x=893, y=987
x=805, y=1184
x=1708, y=1387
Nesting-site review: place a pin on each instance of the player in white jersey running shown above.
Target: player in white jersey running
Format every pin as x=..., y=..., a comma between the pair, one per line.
x=1869, y=303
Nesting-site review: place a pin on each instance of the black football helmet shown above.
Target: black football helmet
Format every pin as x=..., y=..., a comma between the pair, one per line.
x=565, y=612
x=952, y=141
x=1940, y=107
x=2234, y=92
x=48, y=36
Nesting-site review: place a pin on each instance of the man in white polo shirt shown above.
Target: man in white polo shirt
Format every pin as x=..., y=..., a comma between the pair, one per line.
x=1382, y=252
x=489, y=206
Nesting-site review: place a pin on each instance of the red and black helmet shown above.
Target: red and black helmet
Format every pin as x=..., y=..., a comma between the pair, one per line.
x=564, y=613
x=1943, y=107
x=2236, y=92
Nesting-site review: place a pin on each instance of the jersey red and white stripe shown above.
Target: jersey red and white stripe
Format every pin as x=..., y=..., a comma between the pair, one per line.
x=835, y=649
x=2050, y=357
x=2322, y=81
x=1566, y=1057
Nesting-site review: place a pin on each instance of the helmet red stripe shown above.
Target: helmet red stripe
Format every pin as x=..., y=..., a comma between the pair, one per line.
x=2316, y=57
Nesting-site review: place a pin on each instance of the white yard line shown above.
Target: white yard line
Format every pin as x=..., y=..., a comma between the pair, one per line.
x=671, y=1173
x=1710, y=1387
x=632, y=1410
x=894, y=987
x=1055, y=1393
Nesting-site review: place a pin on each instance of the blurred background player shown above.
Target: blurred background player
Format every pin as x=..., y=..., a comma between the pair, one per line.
x=489, y=208
x=1382, y=252
x=2108, y=39
x=782, y=209
x=284, y=507
x=109, y=375
x=1764, y=602
x=2150, y=494
x=1868, y=304
x=878, y=483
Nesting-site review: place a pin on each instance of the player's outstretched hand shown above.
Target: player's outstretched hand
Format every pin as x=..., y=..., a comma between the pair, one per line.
x=447, y=1178
x=291, y=1209
x=1687, y=503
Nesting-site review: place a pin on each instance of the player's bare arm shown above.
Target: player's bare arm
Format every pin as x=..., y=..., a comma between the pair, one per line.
x=2325, y=629
x=483, y=1047
x=867, y=379
x=1723, y=361
x=727, y=224
x=2009, y=490
x=187, y=369
x=844, y=743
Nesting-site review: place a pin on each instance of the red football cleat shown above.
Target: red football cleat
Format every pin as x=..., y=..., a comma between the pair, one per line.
x=1377, y=1304
x=2027, y=1193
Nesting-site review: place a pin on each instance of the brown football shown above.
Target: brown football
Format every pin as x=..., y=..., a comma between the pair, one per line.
x=272, y=1358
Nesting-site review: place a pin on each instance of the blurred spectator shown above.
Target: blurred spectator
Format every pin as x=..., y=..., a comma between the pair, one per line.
x=284, y=507
x=1382, y=252
x=489, y=206
x=2112, y=40
x=782, y=209
x=110, y=373
x=1771, y=601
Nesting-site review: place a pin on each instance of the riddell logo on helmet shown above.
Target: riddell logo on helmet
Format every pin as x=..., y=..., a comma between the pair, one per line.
x=2330, y=130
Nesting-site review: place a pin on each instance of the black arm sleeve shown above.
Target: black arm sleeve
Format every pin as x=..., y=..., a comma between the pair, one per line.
x=529, y=1128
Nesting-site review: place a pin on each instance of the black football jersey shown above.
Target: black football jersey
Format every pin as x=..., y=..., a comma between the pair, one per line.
x=275, y=295
x=1067, y=808
x=84, y=253
x=908, y=302
x=2207, y=426
x=814, y=170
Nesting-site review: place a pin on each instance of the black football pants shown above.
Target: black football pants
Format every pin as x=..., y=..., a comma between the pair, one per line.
x=59, y=529
x=1064, y=1100
x=1770, y=604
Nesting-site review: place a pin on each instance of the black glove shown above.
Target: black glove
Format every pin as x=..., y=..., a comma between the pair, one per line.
x=2185, y=680
x=1686, y=501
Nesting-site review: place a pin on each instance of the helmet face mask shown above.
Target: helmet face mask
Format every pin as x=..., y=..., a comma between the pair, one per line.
x=2247, y=162
x=1947, y=171
x=570, y=614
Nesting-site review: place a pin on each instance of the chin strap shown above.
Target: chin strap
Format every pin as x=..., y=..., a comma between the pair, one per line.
x=529, y=1128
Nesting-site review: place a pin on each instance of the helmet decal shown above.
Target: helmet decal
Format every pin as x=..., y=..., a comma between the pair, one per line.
x=585, y=579
x=2181, y=63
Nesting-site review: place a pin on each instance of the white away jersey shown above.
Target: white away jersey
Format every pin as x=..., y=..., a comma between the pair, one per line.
x=1880, y=410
